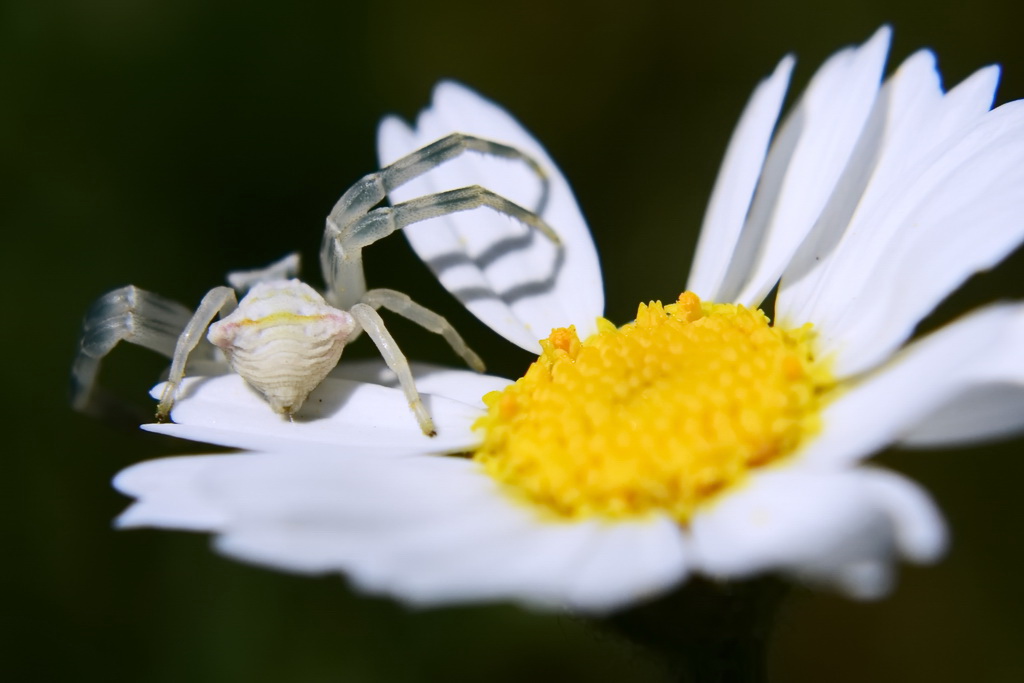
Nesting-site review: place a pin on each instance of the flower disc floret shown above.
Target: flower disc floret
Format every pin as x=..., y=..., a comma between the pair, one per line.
x=658, y=415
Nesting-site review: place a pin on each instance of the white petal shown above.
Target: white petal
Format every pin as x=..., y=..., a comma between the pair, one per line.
x=944, y=203
x=339, y=413
x=972, y=207
x=921, y=533
x=426, y=530
x=840, y=528
x=168, y=496
x=808, y=156
x=496, y=552
x=908, y=101
x=961, y=361
x=734, y=188
x=984, y=413
x=630, y=561
x=436, y=380
x=509, y=276
x=911, y=122
x=504, y=551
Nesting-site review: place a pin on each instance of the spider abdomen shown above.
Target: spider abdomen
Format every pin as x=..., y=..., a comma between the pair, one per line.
x=283, y=339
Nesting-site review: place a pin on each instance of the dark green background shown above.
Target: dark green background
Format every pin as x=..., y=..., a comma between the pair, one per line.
x=164, y=143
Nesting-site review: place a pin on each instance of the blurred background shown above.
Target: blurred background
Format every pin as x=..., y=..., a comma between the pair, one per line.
x=162, y=143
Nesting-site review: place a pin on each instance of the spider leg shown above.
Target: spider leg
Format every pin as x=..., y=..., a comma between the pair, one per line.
x=426, y=158
x=371, y=322
x=283, y=269
x=341, y=258
x=400, y=303
x=127, y=314
x=381, y=222
x=217, y=300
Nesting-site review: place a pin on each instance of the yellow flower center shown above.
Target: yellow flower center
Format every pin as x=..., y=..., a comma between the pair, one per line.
x=657, y=415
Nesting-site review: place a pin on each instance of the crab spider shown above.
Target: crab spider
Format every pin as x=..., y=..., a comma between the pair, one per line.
x=283, y=337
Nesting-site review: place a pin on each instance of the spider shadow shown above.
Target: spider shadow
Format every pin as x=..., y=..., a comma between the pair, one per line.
x=326, y=400
x=334, y=393
x=494, y=253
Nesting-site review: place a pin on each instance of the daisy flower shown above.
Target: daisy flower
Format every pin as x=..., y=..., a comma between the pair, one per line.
x=698, y=439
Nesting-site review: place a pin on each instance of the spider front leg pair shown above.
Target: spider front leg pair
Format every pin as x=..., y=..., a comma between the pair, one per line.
x=283, y=337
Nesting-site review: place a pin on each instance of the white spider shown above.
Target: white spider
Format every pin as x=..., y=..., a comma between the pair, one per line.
x=284, y=337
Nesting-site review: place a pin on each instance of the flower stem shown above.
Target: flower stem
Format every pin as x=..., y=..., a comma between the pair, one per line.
x=708, y=632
